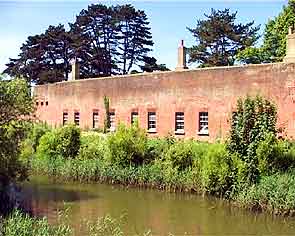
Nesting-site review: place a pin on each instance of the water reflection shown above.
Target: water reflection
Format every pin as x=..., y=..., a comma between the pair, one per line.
x=148, y=209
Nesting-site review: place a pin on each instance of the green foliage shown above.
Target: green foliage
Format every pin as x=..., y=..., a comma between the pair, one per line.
x=156, y=148
x=106, y=225
x=38, y=130
x=104, y=40
x=68, y=141
x=63, y=142
x=107, y=121
x=127, y=146
x=20, y=224
x=217, y=170
x=93, y=146
x=30, y=144
x=180, y=155
x=253, y=121
x=48, y=145
x=219, y=38
x=274, y=193
x=252, y=55
x=16, y=105
x=273, y=48
x=150, y=65
x=276, y=31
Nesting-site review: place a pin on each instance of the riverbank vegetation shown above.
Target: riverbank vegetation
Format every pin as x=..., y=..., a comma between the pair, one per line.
x=253, y=167
x=14, y=118
x=21, y=224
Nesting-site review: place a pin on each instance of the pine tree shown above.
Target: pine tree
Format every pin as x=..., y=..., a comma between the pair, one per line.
x=219, y=38
x=44, y=58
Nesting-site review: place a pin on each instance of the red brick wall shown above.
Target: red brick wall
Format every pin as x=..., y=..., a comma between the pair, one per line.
x=192, y=91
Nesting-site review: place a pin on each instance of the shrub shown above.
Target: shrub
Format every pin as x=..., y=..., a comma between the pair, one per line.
x=27, y=150
x=16, y=105
x=156, y=148
x=254, y=120
x=37, y=131
x=63, y=142
x=93, y=146
x=127, y=146
x=180, y=155
x=47, y=147
x=217, y=170
x=275, y=193
x=30, y=144
x=68, y=141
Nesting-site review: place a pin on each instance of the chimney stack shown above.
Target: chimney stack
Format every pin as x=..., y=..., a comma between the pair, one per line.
x=75, y=69
x=181, y=61
x=290, y=46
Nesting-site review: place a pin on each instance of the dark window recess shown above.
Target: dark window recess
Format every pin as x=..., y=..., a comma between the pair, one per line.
x=203, y=123
x=179, y=122
x=152, y=122
x=37, y=103
x=42, y=103
x=46, y=103
x=95, y=120
x=65, y=118
x=77, y=118
x=134, y=117
x=112, y=121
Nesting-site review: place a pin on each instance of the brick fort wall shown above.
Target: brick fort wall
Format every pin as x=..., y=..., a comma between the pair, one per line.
x=212, y=90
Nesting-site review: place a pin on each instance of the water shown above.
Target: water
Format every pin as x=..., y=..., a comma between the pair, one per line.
x=160, y=212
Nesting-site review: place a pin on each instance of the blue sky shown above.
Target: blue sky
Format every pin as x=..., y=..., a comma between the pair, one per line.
x=169, y=19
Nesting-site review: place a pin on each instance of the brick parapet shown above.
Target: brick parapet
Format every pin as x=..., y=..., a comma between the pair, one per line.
x=190, y=91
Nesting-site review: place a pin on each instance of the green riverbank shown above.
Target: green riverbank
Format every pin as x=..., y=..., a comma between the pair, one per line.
x=170, y=165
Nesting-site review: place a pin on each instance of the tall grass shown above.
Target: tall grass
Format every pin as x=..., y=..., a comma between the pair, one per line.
x=128, y=157
x=274, y=193
x=20, y=224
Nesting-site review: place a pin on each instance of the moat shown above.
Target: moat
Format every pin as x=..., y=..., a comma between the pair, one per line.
x=160, y=212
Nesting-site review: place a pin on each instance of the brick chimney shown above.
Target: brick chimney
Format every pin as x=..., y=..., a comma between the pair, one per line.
x=290, y=46
x=75, y=69
x=181, y=61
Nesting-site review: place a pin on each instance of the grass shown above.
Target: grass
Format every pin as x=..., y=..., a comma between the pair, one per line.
x=274, y=193
x=262, y=180
x=21, y=224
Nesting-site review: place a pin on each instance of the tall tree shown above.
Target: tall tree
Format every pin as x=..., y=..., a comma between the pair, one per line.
x=44, y=58
x=150, y=65
x=105, y=40
x=16, y=104
x=273, y=48
x=135, y=38
x=219, y=38
x=97, y=27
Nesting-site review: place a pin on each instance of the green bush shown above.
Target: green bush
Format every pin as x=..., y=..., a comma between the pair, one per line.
x=127, y=146
x=156, y=148
x=68, y=141
x=217, y=170
x=180, y=155
x=254, y=120
x=275, y=193
x=30, y=144
x=37, y=131
x=16, y=105
x=47, y=147
x=93, y=146
x=63, y=142
x=27, y=150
